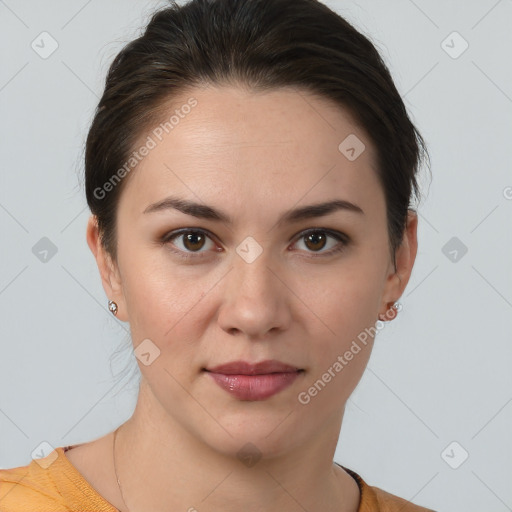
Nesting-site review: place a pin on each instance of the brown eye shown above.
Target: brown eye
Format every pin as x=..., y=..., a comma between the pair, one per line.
x=189, y=241
x=193, y=241
x=315, y=240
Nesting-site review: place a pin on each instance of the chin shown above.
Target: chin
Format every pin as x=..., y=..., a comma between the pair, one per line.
x=253, y=434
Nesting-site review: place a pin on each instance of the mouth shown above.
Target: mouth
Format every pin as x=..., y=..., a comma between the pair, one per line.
x=254, y=381
x=247, y=368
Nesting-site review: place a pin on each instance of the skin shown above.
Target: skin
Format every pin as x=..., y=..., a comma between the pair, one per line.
x=253, y=156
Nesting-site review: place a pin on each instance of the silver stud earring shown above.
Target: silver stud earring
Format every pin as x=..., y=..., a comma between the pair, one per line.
x=112, y=306
x=397, y=306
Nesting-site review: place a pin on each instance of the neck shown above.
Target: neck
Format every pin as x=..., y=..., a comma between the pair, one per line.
x=162, y=466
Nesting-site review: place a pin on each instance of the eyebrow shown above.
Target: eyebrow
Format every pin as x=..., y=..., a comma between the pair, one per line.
x=202, y=211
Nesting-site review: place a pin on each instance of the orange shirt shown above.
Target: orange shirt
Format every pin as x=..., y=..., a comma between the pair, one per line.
x=53, y=484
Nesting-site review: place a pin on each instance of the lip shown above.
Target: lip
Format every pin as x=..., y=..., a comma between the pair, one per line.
x=254, y=381
x=246, y=368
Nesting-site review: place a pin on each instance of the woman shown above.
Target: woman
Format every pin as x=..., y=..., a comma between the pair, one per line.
x=269, y=134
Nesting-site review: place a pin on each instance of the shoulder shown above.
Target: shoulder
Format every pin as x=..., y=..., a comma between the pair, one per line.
x=390, y=503
x=374, y=499
x=28, y=488
x=49, y=484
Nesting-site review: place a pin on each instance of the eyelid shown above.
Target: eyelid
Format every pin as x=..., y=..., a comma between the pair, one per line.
x=341, y=237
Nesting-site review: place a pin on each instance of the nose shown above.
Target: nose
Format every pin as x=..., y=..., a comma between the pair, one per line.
x=256, y=299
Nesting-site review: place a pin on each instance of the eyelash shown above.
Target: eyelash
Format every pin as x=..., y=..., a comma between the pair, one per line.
x=340, y=237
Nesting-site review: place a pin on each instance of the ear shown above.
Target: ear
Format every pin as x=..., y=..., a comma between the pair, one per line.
x=109, y=271
x=405, y=256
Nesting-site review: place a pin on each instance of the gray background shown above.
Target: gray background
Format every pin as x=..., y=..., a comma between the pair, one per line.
x=439, y=373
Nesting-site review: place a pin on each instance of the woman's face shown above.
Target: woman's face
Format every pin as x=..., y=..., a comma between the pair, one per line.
x=257, y=286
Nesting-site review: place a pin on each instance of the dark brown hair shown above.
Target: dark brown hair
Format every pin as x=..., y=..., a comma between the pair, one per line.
x=260, y=45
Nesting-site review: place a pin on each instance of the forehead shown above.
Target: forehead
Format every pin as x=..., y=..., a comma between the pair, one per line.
x=239, y=147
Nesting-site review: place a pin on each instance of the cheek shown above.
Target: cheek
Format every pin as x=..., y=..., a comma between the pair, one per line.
x=342, y=343
x=164, y=306
x=343, y=309
x=347, y=298
x=159, y=295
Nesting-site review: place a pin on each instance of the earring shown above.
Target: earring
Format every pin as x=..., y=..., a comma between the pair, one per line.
x=396, y=307
x=112, y=306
